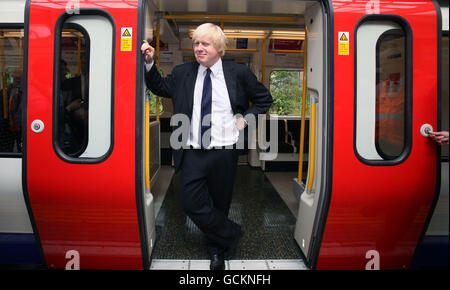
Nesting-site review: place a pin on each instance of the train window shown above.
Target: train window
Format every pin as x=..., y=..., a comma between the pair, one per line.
x=286, y=90
x=390, y=95
x=381, y=100
x=74, y=94
x=11, y=54
x=83, y=93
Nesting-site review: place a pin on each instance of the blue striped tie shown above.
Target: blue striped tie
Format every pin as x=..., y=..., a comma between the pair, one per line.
x=205, y=124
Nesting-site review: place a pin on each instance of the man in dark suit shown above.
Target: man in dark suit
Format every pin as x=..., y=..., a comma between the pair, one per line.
x=214, y=96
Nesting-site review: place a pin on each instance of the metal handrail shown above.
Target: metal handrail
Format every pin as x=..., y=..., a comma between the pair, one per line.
x=231, y=17
x=3, y=69
x=303, y=121
x=312, y=147
x=147, y=143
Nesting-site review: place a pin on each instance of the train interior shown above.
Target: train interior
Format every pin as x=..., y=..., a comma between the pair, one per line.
x=270, y=40
x=277, y=189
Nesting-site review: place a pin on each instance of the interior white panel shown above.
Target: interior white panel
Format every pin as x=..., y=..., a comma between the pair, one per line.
x=14, y=216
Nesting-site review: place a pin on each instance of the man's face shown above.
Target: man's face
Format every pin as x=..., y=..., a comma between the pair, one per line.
x=205, y=52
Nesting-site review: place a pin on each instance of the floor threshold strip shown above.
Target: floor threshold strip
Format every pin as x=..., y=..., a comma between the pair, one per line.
x=169, y=264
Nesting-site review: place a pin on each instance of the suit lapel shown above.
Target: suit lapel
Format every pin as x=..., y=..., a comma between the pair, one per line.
x=191, y=78
x=230, y=81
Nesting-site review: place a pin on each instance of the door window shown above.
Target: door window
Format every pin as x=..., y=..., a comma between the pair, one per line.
x=383, y=98
x=83, y=99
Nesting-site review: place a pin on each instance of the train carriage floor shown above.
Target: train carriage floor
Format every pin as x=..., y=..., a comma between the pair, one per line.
x=261, y=204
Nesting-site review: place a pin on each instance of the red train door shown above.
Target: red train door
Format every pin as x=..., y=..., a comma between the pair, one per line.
x=81, y=149
x=384, y=171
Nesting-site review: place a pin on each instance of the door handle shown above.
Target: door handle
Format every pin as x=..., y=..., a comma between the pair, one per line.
x=37, y=126
x=426, y=129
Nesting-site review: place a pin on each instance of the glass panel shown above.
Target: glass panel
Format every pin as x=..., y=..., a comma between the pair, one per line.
x=286, y=89
x=381, y=117
x=11, y=55
x=84, y=101
x=74, y=91
x=390, y=95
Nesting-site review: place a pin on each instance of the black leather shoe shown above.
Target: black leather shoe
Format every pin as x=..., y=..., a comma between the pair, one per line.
x=217, y=262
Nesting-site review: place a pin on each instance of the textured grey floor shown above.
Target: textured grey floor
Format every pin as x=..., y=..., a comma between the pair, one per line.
x=256, y=206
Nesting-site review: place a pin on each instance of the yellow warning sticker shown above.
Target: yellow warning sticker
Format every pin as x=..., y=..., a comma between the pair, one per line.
x=126, y=38
x=344, y=43
x=126, y=33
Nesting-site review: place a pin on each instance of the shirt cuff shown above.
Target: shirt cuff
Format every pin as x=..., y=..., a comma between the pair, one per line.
x=148, y=66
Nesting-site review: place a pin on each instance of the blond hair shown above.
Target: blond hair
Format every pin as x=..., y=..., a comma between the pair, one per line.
x=214, y=32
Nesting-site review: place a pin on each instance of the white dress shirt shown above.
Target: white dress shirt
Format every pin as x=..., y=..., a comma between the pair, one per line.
x=223, y=123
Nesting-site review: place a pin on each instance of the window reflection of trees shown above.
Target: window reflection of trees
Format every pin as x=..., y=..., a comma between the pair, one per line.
x=286, y=87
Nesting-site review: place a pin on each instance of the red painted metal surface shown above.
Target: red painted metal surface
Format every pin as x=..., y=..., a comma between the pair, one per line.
x=381, y=208
x=90, y=208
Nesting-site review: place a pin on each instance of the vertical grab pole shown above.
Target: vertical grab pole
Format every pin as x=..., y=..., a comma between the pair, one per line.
x=3, y=69
x=147, y=115
x=147, y=143
x=21, y=53
x=302, y=127
x=79, y=56
x=263, y=69
x=157, y=63
x=312, y=146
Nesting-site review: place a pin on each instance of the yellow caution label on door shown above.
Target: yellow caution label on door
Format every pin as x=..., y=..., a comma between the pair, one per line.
x=126, y=38
x=344, y=43
x=126, y=32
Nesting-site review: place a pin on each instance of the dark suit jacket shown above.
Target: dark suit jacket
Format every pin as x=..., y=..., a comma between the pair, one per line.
x=243, y=87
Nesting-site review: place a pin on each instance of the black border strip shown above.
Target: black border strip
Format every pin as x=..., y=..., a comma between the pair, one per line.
x=14, y=25
x=13, y=154
x=437, y=189
x=24, y=133
x=11, y=25
x=139, y=137
x=408, y=88
x=327, y=183
x=56, y=85
x=445, y=33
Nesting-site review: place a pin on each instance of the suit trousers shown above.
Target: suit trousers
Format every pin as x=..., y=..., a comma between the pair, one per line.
x=207, y=180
